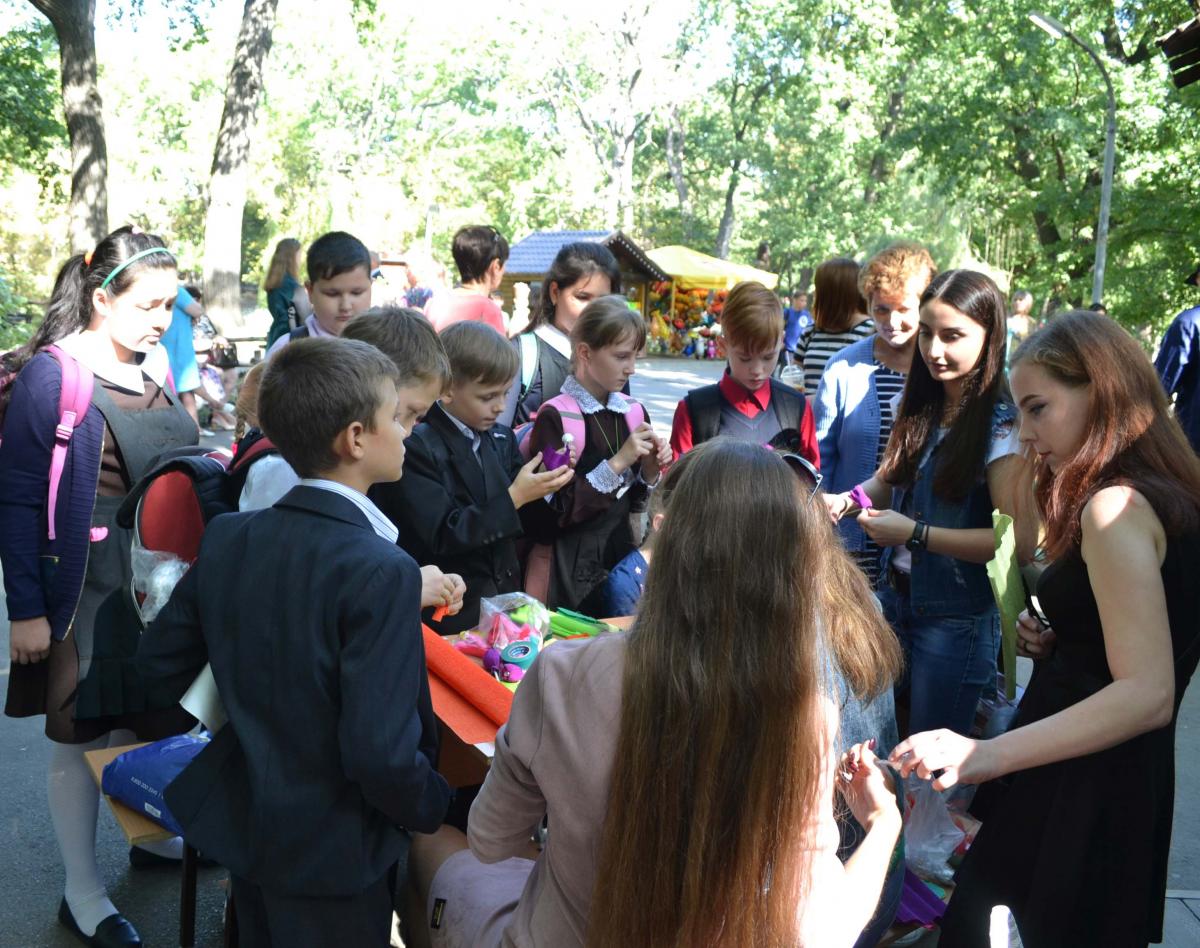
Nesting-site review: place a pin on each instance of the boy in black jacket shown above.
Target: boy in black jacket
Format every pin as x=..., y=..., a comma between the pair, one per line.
x=309, y=615
x=464, y=479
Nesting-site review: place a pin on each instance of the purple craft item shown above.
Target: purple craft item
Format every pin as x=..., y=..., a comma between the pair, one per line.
x=918, y=903
x=860, y=497
x=552, y=460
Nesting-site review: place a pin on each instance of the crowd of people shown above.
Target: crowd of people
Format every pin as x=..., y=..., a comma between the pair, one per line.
x=814, y=623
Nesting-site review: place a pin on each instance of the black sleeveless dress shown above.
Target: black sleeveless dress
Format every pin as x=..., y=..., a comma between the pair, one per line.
x=1078, y=849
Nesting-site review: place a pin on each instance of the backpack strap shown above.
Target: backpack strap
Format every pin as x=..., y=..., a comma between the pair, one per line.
x=527, y=343
x=572, y=419
x=636, y=415
x=704, y=408
x=74, y=397
x=300, y=332
x=788, y=404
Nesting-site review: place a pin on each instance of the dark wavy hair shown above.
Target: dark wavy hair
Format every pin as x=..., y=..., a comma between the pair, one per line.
x=962, y=454
x=1131, y=437
x=575, y=262
x=70, y=306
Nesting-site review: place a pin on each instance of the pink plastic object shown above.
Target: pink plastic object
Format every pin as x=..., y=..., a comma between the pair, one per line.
x=860, y=497
x=471, y=644
x=511, y=672
x=503, y=631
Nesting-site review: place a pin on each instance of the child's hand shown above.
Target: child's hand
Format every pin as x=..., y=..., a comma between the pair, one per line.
x=839, y=505
x=532, y=483
x=456, y=595
x=641, y=441
x=652, y=464
x=438, y=588
x=29, y=640
x=886, y=527
x=866, y=787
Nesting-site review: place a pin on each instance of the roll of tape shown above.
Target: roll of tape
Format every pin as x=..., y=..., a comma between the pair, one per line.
x=520, y=653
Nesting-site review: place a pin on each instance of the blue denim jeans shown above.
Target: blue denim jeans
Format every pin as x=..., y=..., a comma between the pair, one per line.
x=949, y=661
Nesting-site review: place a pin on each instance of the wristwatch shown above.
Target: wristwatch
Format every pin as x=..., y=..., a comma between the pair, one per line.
x=920, y=537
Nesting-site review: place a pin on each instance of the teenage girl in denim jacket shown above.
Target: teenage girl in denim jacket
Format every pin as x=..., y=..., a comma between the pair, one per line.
x=953, y=457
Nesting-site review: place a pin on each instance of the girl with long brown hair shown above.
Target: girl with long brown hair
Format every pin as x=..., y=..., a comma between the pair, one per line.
x=952, y=458
x=1076, y=841
x=688, y=768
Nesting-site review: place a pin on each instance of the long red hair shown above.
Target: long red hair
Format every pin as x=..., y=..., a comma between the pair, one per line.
x=1131, y=437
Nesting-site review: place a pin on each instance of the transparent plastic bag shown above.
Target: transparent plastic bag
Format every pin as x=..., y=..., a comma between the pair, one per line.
x=930, y=833
x=155, y=575
x=519, y=610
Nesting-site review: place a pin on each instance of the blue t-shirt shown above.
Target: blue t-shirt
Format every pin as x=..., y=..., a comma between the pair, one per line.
x=796, y=322
x=623, y=589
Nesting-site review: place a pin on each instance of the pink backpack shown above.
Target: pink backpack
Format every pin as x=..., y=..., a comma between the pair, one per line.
x=572, y=421
x=73, y=400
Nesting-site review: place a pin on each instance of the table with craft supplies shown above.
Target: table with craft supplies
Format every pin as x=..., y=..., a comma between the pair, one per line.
x=470, y=705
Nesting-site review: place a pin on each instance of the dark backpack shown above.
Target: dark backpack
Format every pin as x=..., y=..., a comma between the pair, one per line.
x=704, y=408
x=169, y=508
x=300, y=332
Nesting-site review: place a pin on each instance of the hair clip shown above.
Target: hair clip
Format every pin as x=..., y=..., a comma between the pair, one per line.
x=87, y=257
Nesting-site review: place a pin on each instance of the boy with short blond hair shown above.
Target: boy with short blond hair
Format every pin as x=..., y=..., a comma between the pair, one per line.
x=309, y=615
x=464, y=478
x=747, y=404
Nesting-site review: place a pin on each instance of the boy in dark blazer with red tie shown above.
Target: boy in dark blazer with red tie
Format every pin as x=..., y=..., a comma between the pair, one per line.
x=309, y=615
x=464, y=478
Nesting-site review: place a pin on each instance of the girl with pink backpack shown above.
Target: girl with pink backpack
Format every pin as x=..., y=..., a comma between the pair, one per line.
x=87, y=407
x=585, y=529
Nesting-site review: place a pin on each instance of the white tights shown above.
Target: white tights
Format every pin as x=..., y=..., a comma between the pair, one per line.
x=74, y=805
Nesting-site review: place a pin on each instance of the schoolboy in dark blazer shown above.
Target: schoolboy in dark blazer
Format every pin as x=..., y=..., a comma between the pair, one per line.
x=464, y=478
x=309, y=615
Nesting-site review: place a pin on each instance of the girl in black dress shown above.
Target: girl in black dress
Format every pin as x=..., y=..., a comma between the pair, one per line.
x=1075, y=840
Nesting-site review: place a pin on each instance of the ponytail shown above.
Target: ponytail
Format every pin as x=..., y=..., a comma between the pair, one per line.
x=112, y=265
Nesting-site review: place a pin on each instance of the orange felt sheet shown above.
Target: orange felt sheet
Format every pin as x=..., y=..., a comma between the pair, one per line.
x=466, y=699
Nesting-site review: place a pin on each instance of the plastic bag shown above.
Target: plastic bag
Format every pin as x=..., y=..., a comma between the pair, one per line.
x=138, y=777
x=155, y=575
x=520, y=609
x=930, y=833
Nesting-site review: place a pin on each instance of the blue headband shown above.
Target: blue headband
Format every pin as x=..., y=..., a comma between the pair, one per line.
x=137, y=256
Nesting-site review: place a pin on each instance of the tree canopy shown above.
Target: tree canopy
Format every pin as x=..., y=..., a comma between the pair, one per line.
x=819, y=128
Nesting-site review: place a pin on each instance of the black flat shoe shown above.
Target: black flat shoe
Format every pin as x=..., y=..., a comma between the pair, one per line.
x=142, y=859
x=114, y=932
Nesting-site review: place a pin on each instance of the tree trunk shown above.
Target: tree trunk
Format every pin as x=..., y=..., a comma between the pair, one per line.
x=227, y=189
x=74, y=25
x=725, y=229
x=675, y=167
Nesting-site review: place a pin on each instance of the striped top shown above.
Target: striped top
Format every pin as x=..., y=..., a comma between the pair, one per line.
x=888, y=384
x=819, y=347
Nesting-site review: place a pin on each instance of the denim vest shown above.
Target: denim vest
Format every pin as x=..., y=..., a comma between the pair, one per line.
x=943, y=585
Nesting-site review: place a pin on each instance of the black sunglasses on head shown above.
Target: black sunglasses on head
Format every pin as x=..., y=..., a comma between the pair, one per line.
x=804, y=470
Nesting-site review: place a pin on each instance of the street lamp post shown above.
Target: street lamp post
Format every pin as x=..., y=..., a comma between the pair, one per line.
x=1058, y=31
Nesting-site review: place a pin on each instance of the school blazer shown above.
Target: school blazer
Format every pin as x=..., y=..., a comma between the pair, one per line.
x=454, y=511
x=311, y=623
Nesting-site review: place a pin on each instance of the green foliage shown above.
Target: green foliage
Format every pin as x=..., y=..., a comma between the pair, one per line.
x=831, y=128
x=29, y=101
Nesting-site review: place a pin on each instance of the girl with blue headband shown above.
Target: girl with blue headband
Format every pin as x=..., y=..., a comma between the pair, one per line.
x=85, y=407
